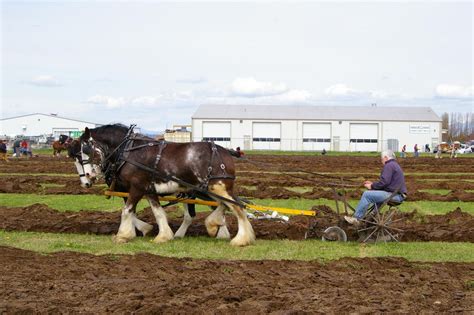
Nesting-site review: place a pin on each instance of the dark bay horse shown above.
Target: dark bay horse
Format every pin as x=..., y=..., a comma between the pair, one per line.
x=149, y=169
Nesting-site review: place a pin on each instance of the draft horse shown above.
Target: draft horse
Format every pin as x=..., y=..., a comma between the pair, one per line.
x=150, y=169
x=61, y=145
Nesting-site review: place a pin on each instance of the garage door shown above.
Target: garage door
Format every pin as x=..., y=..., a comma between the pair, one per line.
x=316, y=136
x=364, y=137
x=217, y=131
x=266, y=136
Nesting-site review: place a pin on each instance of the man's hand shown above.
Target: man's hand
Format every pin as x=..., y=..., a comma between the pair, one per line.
x=368, y=184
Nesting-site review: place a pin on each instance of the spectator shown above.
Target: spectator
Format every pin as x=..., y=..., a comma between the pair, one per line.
x=404, y=150
x=25, y=148
x=16, y=148
x=3, y=151
x=416, y=149
x=323, y=152
x=427, y=148
x=438, y=152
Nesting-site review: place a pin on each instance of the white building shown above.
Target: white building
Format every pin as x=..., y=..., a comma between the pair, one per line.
x=41, y=124
x=299, y=128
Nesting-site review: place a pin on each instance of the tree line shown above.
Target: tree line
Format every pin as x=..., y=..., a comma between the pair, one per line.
x=459, y=126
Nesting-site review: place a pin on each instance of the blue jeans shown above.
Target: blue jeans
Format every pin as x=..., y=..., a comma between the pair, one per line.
x=373, y=197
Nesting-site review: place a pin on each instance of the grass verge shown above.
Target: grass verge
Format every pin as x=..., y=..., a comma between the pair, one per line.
x=207, y=248
x=99, y=203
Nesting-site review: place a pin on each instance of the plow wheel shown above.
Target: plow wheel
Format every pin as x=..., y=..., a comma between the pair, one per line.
x=378, y=227
x=334, y=233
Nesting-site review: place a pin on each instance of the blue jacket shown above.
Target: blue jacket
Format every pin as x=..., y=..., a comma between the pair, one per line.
x=391, y=178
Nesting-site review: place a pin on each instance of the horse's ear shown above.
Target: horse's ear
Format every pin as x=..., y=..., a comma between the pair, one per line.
x=87, y=134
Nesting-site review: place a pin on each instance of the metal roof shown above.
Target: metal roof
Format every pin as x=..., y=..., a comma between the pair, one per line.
x=305, y=112
x=52, y=116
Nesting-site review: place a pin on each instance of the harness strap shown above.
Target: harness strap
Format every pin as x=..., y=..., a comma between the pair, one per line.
x=183, y=183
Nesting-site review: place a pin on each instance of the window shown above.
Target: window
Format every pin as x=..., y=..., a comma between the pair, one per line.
x=316, y=140
x=364, y=140
x=215, y=139
x=266, y=139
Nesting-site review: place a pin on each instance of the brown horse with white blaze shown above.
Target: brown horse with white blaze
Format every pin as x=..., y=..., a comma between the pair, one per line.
x=152, y=168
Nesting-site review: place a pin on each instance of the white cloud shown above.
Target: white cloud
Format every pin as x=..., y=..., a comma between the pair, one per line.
x=44, y=81
x=107, y=101
x=454, y=91
x=294, y=96
x=249, y=87
x=343, y=91
x=147, y=101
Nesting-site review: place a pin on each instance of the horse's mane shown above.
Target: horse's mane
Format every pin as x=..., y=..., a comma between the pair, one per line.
x=109, y=127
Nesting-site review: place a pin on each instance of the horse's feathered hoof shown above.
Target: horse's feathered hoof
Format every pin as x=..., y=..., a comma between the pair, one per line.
x=119, y=239
x=161, y=239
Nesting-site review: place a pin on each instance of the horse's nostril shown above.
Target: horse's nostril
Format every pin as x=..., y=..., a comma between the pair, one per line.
x=88, y=185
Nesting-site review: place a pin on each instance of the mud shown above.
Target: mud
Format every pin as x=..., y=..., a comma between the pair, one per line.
x=456, y=226
x=68, y=282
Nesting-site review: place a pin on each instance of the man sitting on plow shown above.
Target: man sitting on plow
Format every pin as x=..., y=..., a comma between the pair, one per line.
x=391, y=180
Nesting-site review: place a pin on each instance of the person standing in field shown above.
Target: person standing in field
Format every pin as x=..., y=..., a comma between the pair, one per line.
x=404, y=150
x=415, y=150
x=3, y=151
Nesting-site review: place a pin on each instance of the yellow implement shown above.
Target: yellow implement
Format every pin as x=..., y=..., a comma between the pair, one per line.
x=213, y=203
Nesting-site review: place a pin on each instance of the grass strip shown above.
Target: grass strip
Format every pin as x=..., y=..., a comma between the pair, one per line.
x=207, y=248
x=100, y=203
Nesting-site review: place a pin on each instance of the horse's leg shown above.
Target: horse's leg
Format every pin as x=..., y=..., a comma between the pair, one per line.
x=187, y=220
x=245, y=234
x=165, y=233
x=215, y=223
x=126, y=230
x=142, y=226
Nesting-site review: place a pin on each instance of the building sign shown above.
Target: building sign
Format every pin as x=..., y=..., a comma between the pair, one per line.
x=418, y=129
x=75, y=134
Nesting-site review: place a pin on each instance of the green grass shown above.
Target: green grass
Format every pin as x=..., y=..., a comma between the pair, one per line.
x=99, y=203
x=436, y=191
x=207, y=248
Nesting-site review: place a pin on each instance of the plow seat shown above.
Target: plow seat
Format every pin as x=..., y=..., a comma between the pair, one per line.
x=393, y=203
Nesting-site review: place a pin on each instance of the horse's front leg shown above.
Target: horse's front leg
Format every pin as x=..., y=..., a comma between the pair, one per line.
x=165, y=233
x=215, y=223
x=126, y=230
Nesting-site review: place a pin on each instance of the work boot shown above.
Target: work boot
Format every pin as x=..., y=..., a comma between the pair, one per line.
x=351, y=220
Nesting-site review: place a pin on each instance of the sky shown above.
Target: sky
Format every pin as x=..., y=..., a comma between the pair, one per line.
x=153, y=63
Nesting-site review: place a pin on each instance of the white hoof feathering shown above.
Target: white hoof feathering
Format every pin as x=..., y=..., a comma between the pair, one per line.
x=165, y=233
x=245, y=236
x=223, y=233
x=143, y=227
x=164, y=237
x=187, y=220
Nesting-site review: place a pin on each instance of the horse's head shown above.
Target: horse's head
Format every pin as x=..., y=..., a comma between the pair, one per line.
x=85, y=158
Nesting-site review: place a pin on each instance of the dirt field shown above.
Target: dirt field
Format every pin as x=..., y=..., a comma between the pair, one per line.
x=73, y=282
x=143, y=284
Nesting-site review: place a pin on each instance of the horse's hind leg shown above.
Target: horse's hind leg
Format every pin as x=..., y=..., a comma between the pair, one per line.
x=245, y=234
x=142, y=226
x=165, y=233
x=215, y=223
x=187, y=220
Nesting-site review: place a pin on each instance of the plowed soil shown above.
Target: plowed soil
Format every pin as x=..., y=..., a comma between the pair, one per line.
x=455, y=226
x=69, y=282
x=271, y=177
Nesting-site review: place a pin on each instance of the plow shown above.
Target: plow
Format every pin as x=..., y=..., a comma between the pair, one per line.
x=376, y=226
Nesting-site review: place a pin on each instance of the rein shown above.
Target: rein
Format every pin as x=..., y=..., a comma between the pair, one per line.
x=263, y=165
